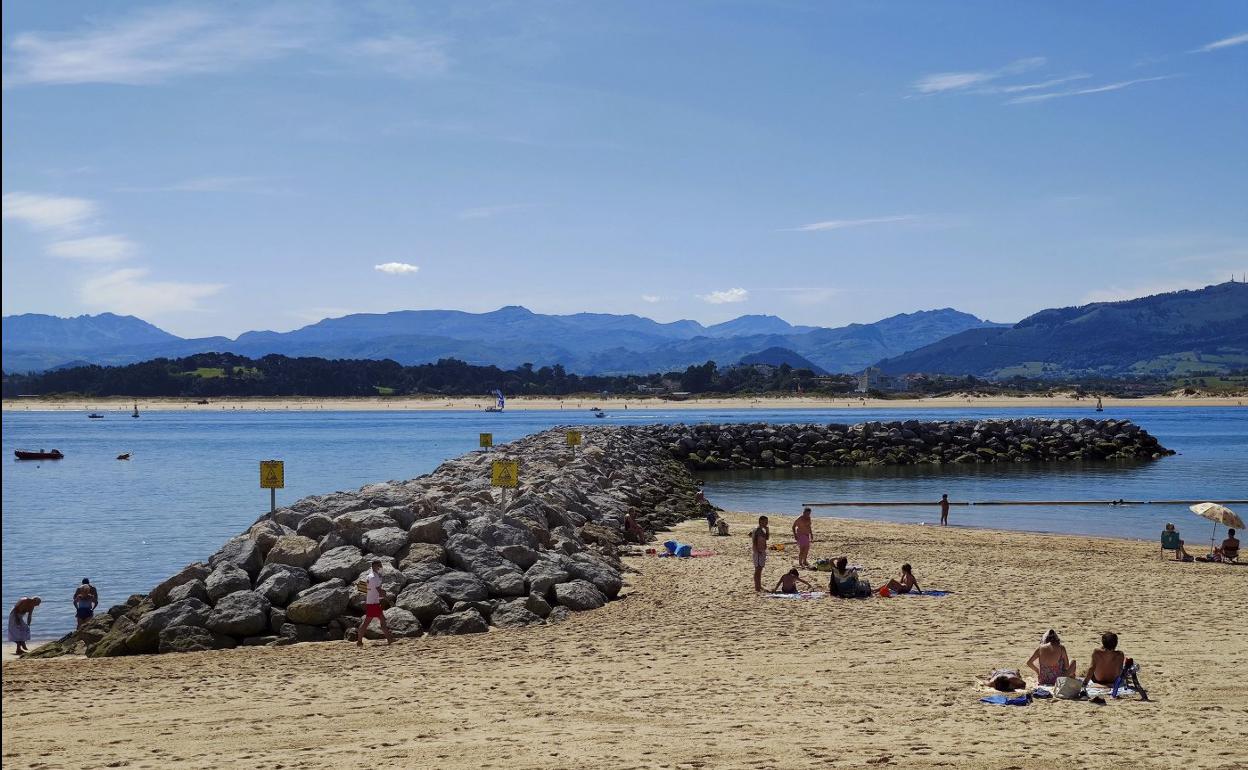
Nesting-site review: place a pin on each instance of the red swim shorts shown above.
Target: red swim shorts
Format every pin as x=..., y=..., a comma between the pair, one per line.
x=372, y=610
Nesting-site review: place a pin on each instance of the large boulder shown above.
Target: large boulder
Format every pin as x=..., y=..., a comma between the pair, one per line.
x=386, y=541
x=417, y=553
x=352, y=526
x=225, y=580
x=192, y=639
x=113, y=643
x=401, y=622
x=433, y=529
x=315, y=526
x=455, y=586
x=266, y=532
x=242, y=552
x=392, y=582
x=242, y=613
x=300, y=632
x=537, y=604
x=279, y=583
x=513, y=614
x=422, y=572
x=545, y=575
x=470, y=554
x=466, y=622
x=319, y=604
x=579, y=595
x=196, y=571
x=421, y=601
x=597, y=570
x=294, y=550
x=343, y=563
x=145, y=634
x=196, y=589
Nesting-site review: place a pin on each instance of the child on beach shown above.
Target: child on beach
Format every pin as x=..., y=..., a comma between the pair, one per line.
x=1050, y=660
x=907, y=583
x=788, y=583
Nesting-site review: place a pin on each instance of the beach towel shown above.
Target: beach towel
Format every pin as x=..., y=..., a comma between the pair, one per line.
x=1006, y=700
x=927, y=592
x=802, y=595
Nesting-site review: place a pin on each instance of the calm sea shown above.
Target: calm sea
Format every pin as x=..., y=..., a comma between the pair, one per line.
x=193, y=481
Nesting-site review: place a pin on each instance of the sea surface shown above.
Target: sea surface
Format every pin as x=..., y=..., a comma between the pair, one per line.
x=193, y=480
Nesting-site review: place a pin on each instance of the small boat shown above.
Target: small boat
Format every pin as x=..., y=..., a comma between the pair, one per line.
x=600, y=413
x=125, y=456
x=95, y=416
x=136, y=409
x=499, y=402
x=24, y=454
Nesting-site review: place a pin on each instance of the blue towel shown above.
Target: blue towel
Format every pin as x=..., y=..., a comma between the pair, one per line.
x=927, y=592
x=1004, y=700
x=684, y=551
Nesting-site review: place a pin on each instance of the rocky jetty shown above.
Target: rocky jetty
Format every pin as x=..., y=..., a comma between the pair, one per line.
x=456, y=561
x=909, y=442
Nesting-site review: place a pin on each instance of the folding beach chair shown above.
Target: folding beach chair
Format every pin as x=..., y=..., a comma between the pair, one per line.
x=1129, y=675
x=1169, y=541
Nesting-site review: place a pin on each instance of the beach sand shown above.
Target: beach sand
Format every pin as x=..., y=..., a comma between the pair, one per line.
x=113, y=407
x=692, y=670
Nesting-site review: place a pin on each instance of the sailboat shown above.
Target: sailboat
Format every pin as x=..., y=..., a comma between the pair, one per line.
x=1099, y=408
x=499, y=403
x=136, y=409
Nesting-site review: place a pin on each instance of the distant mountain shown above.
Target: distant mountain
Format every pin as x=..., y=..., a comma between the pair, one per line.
x=48, y=332
x=780, y=357
x=1165, y=334
x=587, y=343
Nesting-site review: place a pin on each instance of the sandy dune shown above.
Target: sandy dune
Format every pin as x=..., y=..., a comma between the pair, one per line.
x=692, y=670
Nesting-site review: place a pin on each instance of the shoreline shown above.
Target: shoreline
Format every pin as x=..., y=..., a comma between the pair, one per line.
x=610, y=404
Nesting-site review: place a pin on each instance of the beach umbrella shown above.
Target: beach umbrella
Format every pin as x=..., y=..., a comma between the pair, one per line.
x=1218, y=514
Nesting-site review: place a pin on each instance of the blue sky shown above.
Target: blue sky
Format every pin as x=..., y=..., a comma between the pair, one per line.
x=221, y=167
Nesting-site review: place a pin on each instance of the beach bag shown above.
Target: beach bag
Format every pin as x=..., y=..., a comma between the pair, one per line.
x=1067, y=687
x=823, y=565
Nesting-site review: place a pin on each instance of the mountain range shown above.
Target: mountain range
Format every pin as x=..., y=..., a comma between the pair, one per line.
x=587, y=343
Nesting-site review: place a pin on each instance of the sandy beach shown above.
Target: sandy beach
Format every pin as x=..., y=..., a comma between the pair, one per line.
x=691, y=669
x=522, y=404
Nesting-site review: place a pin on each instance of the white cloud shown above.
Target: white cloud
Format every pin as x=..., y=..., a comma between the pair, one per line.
x=47, y=212
x=212, y=184
x=396, y=268
x=1085, y=91
x=1037, y=86
x=404, y=56
x=485, y=212
x=651, y=298
x=841, y=224
x=1225, y=42
x=156, y=45
x=128, y=291
x=942, y=82
x=726, y=296
x=96, y=248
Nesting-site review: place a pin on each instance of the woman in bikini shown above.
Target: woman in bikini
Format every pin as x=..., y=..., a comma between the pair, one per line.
x=907, y=583
x=1050, y=660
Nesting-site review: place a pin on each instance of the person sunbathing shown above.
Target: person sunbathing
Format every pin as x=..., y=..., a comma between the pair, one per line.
x=1229, y=550
x=788, y=583
x=1050, y=660
x=1107, y=662
x=907, y=582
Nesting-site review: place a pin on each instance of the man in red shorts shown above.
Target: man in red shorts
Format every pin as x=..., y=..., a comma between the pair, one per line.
x=372, y=606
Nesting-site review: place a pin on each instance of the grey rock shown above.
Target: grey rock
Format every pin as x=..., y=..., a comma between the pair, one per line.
x=431, y=530
x=386, y=541
x=319, y=604
x=192, y=639
x=226, y=579
x=240, y=551
x=279, y=583
x=422, y=602
x=352, y=526
x=545, y=575
x=299, y=632
x=471, y=554
x=537, y=604
x=595, y=569
x=330, y=541
x=466, y=622
x=455, y=586
x=424, y=571
x=266, y=532
x=196, y=589
x=520, y=555
x=196, y=571
x=417, y=553
x=558, y=615
x=485, y=607
x=514, y=615
x=579, y=595
x=403, y=624
x=242, y=613
x=315, y=526
x=277, y=617
x=343, y=563
x=145, y=634
x=294, y=550
x=260, y=641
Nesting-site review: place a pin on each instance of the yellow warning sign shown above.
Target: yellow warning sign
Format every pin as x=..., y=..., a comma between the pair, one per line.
x=574, y=438
x=272, y=474
x=487, y=440
x=505, y=473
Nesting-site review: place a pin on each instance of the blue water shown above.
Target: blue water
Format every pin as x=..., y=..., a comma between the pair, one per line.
x=194, y=480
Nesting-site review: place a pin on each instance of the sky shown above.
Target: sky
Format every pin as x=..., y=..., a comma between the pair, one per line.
x=220, y=167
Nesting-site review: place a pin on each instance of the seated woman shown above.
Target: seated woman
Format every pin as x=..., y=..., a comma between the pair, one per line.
x=1050, y=660
x=1170, y=533
x=844, y=582
x=788, y=583
x=907, y=582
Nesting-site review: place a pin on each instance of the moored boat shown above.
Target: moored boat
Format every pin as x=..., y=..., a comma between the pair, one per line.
x=95, y=416
x=25, y=454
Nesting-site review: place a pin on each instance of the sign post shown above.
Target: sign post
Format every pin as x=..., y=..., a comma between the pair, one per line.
x=272, y=478
x=574, y=440
x=505, y=474
x=486, y=441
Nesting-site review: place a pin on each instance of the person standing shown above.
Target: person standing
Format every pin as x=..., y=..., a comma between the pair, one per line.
x=944, y=510
x=803, y=533
x=86, y=599
x=374, y=593
x=758, y=550
x=19, y=627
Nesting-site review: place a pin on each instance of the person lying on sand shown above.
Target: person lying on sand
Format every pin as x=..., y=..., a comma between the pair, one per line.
x=1106, y=662
x=907, y=582
x=788, y=583
x=1050, y=660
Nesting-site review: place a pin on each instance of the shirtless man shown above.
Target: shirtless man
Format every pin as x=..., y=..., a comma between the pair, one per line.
x=758, y=550
x=19, y=627
x=803, y=534
x=944, y=510
x=1230, y=547
x=1106, y=662
x=85, y=601
x=787, y=584
x=907, y=582
x=1050, y=660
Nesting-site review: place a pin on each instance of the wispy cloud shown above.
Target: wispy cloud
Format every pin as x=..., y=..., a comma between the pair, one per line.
x=404, y=56
x=255, y=185
x=155, y=46
x=1037, y=86
x=95, y=248
x=129, y=291
x=943, y=82
x=725, y=296
x=396, y=268
x=651, y=298
x=1087, y=91
x=48, y=212
x=842, y=224
x=485, y=212
x=1225, y=42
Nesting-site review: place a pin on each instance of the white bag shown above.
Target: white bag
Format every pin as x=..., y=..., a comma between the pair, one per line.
x=1067, y=687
